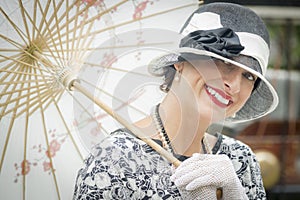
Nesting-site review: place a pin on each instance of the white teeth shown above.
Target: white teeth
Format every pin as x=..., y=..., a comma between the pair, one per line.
x=218, y=96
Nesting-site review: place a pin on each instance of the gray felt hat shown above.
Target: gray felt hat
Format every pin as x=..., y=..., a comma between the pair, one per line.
x=234, y=34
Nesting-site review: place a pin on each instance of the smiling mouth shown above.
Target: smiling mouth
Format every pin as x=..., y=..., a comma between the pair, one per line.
x=218, y=96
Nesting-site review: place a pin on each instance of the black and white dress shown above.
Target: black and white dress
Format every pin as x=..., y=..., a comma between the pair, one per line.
x=124, y=167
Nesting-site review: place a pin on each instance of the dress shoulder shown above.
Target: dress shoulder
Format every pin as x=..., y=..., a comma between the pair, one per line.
x=246, y=165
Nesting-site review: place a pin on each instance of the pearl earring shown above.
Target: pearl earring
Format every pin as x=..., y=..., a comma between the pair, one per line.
x=177, y=76
x=234, y=115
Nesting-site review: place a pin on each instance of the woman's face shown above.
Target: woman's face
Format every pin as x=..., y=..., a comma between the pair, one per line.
x=219, y=90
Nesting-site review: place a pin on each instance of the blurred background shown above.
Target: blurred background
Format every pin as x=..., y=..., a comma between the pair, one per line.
x=275, y=138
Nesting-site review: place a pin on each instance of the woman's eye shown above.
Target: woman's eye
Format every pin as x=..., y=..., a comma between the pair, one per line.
x=249, y=76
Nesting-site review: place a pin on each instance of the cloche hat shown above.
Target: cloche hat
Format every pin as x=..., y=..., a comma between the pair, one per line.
x=225, y=31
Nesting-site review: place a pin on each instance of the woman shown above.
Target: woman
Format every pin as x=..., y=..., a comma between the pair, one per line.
x=217, y=73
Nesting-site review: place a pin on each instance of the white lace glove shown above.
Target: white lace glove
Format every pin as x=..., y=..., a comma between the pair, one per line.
x=202, y=174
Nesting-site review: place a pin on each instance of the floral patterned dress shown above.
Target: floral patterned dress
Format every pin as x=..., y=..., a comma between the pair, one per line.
x=124, y=167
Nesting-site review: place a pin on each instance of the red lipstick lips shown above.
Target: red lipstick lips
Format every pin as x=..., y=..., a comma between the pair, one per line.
x=219, y=97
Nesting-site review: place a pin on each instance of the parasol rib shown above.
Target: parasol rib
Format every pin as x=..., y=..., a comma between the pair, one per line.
x=34, y=19
x=16, y=82
x=33, y=88
x=52, y=16
x=24, y=21
x=25, y=73
x=15, y=27
x=82, y=36
x=33, y=102
x=25, y=153
x=35, y=108
x=6, y=75
x=50, y=158
x=73, y=31
x=67, y=29
x=43, y=100
x=40, y=106
x=43, y=13
x=10, y=96
x=68, y=130
x=29, y=94
x=25, y=138
x=19, y=61
x=14, y=43
x=9, y=50
x=57, y=27
x=11, y=123
x=14, y=111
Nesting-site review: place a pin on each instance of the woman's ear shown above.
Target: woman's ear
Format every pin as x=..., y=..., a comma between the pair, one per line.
x=179, y=66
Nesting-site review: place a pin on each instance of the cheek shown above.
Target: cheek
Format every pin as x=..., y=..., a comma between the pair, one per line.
x=244, y=96
x=246, y=91
x=209, y=73
x=208, y=111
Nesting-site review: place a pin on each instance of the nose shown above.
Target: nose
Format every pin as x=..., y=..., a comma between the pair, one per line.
x=232, y=82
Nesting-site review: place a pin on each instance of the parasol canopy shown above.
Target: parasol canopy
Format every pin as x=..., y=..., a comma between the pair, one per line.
x=47, y=127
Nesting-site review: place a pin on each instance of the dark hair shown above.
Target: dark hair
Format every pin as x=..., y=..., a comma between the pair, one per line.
x=169, y=74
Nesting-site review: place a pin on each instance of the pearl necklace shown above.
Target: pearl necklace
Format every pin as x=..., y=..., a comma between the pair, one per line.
x=205, y=145
x=161, y=130
x=164, y=136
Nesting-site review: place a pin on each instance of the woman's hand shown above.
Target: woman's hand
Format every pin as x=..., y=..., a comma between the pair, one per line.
x=207, y=171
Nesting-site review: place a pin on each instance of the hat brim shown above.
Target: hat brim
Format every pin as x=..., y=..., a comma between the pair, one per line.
x=262, y=101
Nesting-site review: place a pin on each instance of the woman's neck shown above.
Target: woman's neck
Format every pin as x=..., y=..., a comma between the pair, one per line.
x=182, y=124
